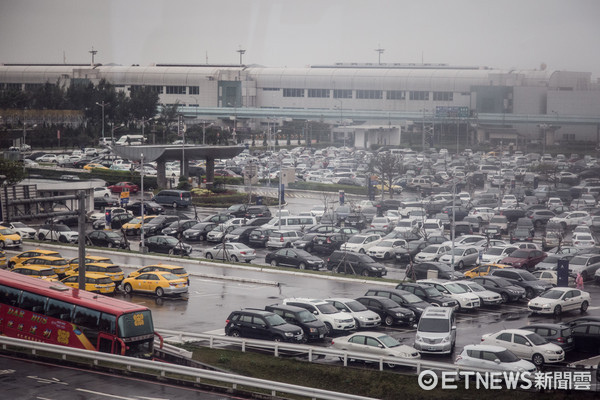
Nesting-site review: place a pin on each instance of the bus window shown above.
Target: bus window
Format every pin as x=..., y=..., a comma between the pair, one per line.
x=9, y=296
x=32, y=302
x=84, y=316
x=59, y=309
x=108, y=323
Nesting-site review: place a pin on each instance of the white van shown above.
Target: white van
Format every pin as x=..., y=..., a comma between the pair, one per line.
x=335, y=320
x=436, y=332
x=130, y=140
x=291, y=223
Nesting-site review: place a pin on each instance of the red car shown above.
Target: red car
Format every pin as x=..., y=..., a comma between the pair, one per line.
x=524, y=258
x=124, y=187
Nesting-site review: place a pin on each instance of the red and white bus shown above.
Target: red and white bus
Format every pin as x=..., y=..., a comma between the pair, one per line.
x=54, y=313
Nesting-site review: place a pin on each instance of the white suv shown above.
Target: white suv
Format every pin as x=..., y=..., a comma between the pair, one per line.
x=59, y=232
x=466, y=300
x=336, y=321
x=360, y=243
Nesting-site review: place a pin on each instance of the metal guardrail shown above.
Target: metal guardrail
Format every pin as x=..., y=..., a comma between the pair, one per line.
x=162, y=369
x=312, y=352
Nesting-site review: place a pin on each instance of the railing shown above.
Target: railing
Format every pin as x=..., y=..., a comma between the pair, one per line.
x=160, y=368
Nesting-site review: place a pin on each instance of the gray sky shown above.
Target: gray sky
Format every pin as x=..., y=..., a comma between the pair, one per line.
x=519, y=34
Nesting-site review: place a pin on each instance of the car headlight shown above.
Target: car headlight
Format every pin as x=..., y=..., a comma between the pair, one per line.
x=446, y=339
x=546, y=306
x=419, y=309
x=288, y=334
x=418, y=338
x=362, y=317
x=8, y=241
x=338, y=321
x=313, y=330
x=399, y=314
x=550, y=352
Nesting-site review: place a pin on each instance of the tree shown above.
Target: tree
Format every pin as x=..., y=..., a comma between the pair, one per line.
x=11, y=172
x=143, y=102
x=387, y=166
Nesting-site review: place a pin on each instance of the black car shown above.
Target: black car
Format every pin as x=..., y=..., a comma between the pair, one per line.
x=198, y=231
x=167, y=245
x=107, y=239
x=259, y=237
x=150, y=208
x=533, y=286
x=116, y=221
x=389, y=311
x=259, y=324
x=521, y=234
x=217, y=218
x=357, y=220
x=295, y=258
x=156, y=225
x=587, y=337
x=405, y=255
x=422, y=271
x=328, y=243
x=238, y=210
x=322, y=228
x=101, y=202
x=462, y=228
x=559, y=334
x=314, y=329
x=177, y=228
x=459, y=212
x=305, y=242
x=504, y=287
x=257, y=211
x=428, y=293
x=403, y=298
x=240, y=234
x=69, y=220
x=354, y=263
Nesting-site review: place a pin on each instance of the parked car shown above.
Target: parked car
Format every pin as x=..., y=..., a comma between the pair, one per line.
x=231, y=251
x=586, y=337
x=124, y=187
x=422, y=271
x=361, y=243
x=295, y=258
x=176, y=228
x=527, y=345
x=375, y=344
x=462, y=257
x=466, y=299
x=167, y=244
x=495, y=254
x=389, y=311
x=150, y=208
x=199, y=231
x=61, y=233
x=533, y=287
x=257, y=211
x=26, y=232
x=94, y=282
x=559, y=334
x=335, y=320
x=507, y=290
x=429, y=294
x=559, y=299
x=363, y=317
x=402, y=298
x=282, y=239
x=314, y=329
x=352, y=263
x=240, y=234
x=487, y=297
x=385, y=249
x=524, y=258
x=265, y=325
x=108, y=239
x=9, y=238
x=489, y=357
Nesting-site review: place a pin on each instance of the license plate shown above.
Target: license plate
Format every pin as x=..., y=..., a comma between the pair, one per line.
x=321, y=336
x=431, y=348
x=320, y=242
x=569, y=340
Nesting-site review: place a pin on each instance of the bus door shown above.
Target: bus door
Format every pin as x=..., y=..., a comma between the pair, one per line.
x=106, y=343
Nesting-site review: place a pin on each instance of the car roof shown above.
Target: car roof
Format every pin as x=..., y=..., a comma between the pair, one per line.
x=484, y=347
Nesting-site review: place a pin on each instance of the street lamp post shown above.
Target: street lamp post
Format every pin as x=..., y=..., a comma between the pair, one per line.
x=103, y=104
x=342, y=119
x=112, y=132
x=142, y=244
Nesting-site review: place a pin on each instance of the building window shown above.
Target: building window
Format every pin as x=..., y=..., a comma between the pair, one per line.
x=193, y=89
x=395, y=95
x=31, y=87
x=419, y=95
x=369, y=94
x=291, y=92
x=342, y=94
x=175, y=89
x=318, y=93
x=271, y=89
x=570, y=137
x=443, y=96
x=13, y=86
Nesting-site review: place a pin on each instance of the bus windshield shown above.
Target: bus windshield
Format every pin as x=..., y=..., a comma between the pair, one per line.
x=136, y=324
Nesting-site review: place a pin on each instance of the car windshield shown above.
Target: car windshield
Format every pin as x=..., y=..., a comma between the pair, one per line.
x=356, y=306
x=494, y=251
x=136, y=221
x=327, y=308
x=432, y=292
x=356, y=239
x=112, y=235
x=306, y=316
x=507, y=356
x=475, y=287
x=46, y=272
x=388, y=341
x=275, y=320
x=433, y=325
x=457, y=252
x=577, y=260
x=61, y=228
x=552, y=294
x=536, y=339
x=170, y=277
x=454, y=288
x=170, y=240
x=527, y=276
x=19, y=225
x=7, y=231
x=404, y=224
x=411, y=298
x=386, y=243
x=519, y=254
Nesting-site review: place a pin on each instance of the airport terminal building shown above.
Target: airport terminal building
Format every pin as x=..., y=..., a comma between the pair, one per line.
x=487, y=104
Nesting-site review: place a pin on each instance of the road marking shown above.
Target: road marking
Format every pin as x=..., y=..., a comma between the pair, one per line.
x=105, y=394
x=46, y=380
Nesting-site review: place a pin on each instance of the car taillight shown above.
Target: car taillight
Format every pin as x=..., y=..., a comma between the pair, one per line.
x=242, y=252
x=561, y=340
x=281, y=239
x=227, y=321
x=328, y=240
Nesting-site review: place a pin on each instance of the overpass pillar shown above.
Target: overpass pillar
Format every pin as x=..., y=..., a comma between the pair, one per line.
x=161, y=176
x=210, y=172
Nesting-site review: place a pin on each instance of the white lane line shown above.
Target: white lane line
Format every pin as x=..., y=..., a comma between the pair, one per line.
x=105, y=394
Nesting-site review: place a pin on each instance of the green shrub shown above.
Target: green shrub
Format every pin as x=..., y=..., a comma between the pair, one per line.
x=325, y=187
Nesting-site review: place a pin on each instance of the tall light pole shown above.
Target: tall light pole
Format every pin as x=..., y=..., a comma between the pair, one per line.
x=342, y=119
x=103, y=104
x=142, y=246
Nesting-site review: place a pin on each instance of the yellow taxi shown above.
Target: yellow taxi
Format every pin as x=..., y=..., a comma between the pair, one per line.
x=59, y=264
x=483, y=270
x=134, y=226
x=94, y=282
x=74, y=262
x=113, y=271
x=174, y=269
x=19, y=258
x=160, y=283
x=37, y=271
x=2, y=259
x=9, y=238
x=92, y=166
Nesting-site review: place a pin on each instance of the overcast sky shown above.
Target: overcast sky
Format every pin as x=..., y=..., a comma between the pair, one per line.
x=519, y=34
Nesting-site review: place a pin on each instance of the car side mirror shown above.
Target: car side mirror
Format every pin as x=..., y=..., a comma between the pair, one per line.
x=453, y=327
x=415, y=326
x=497, y=361
x=316, y=313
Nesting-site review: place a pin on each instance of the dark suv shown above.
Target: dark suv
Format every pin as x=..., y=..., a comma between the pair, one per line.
x=403, y=298
x=314, y=329
x=421, y=271
x=533, y=286
x=259, y=324
x=257, y=211
x=354, y=263
x=428, y=293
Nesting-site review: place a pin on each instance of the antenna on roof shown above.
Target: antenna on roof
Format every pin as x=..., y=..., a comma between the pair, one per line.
x=241, y=51
x=380, y=51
